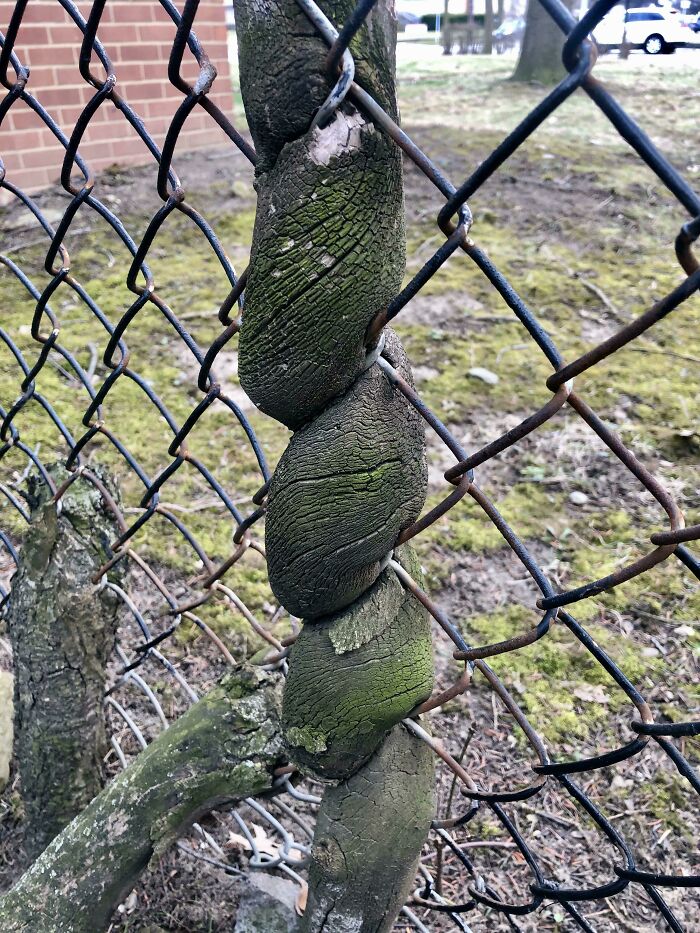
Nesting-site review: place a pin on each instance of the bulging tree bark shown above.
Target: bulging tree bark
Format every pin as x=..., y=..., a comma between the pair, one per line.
x=223, y=749
x=62, y=628
x=328, y=254
x=328, y=247
x=353, y=675
x=345, y=487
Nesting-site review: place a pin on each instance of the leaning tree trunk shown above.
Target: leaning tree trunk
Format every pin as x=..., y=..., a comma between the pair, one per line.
x=540, y=53
x=225, y=748
x=62, y=627
x=328, y=255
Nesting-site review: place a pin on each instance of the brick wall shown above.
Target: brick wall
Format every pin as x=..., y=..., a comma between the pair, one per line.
x=138, y=38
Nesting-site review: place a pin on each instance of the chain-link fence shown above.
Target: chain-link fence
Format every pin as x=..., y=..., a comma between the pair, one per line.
x=163, y=595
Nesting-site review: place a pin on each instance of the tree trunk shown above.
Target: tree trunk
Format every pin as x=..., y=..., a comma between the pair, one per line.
x=488, y=27
x=446, y=30
x=540, y=53
x=223, y=749
x=62, y=628
x=328, y=254
x=625, y=47
x=365, y=849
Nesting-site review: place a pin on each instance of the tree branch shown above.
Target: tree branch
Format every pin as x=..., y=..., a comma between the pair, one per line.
x=223, y=749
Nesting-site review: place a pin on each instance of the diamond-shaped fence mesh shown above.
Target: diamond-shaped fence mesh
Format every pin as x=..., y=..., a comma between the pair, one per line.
x=77, y=403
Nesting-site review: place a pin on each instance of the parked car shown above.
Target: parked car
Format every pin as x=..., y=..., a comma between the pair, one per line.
x=655, y=31
x=508, y=34
x=407, y=19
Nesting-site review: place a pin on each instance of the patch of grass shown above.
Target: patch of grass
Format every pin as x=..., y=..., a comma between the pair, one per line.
x=559, y=684
x=189, y=276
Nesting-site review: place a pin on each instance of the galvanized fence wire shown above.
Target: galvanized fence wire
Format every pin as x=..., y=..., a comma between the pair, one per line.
x=454, y=219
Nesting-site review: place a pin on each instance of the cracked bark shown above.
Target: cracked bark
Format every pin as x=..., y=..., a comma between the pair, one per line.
x=328, y=254
x=369, y=834
x=223, y=749
x=62, y=628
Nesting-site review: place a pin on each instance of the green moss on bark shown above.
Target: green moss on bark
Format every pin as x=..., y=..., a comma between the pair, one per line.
x=355, y=674
x=224, y=748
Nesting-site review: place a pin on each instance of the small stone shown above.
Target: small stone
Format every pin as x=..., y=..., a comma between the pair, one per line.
x=6, y=726
x=262, y=912
x=478, y=372
x=281, y=889
x=239, y=189
x=578, y=498
x=424, y=373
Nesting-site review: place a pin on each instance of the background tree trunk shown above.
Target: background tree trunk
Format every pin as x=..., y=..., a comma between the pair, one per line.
x=540, y=53
x=62, y=628
x=224, y=748
x=446, y=30
x=488, y=27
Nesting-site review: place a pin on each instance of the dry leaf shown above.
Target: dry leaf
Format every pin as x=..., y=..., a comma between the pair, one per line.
x=237, y=842
x=302, y=898
x=263, y=841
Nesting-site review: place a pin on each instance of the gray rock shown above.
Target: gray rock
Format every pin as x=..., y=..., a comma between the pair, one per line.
x=578, y=498
x=281, y=889
x=478, y=372
x=267, y=906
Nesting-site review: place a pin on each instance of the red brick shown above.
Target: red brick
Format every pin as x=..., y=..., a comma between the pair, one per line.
x=100, y=132
x=54, y=97
x=155, y=71
x=126, y=11
x=160, y=108
x=21, y=118
x=138, y=52
x=217, y=52
x=210, y=32
x=91, y=150
x=143, y=90
x=118, y=34
x=54, y=55
x=66, y=76
x=127, y=147
x=68, y=116
x=69, y=34
x=32, y=34
x=128, y=71
x=39, y=78
x=32, y=179
x=36, y=138
x=157, y=32
x=47, y=11
x=38, y=158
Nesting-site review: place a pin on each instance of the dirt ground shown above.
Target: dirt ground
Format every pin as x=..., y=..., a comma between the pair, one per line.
x=585, y=234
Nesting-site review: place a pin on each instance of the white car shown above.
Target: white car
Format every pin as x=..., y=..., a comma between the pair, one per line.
x=650, y=29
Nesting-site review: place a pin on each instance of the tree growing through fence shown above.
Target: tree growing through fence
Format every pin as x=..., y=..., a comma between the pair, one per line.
x=328, y=254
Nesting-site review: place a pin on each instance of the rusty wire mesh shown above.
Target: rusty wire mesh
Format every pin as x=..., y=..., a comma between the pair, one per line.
x=160, y=602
